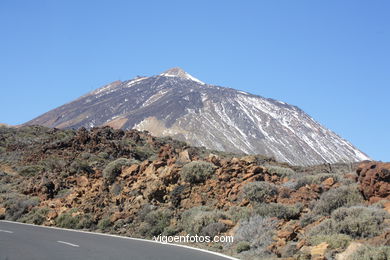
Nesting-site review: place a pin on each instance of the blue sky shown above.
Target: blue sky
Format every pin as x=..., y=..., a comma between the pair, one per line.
x=330, y=58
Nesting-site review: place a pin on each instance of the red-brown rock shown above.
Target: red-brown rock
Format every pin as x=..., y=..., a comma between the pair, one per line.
x=374, y=179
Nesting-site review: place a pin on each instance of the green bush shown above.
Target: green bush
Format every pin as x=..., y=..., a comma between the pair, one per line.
x=142, y=153
x=80, y=166
x=86, y=221
x=197, y=171
x=54, y=164
x=372, y=253
x=239, y=213
x=176, y=195
x=344, y=196
x=31, y=170
x=113, y=169
x=242, y=246
x=158, y=220
x=104, y=223
x=35, y=216
x=260, y=191
x=86, y=156
x=66, y=220
x=103, y=155
x=80, y=221
x=357, y=222
x=213, y=229
x=170, y=231
x=334, y=241
x=116, y=189
x=4, y=188
x=258, y=232
x=195, y=219
x=17, y=205
x=280, y=171
x=315, y=179
x=278, y=210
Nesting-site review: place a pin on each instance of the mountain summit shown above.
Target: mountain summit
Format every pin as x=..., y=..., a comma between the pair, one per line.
x=178, y=72
x=176, y=104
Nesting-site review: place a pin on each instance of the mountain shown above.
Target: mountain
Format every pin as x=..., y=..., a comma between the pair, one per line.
x=177, y=104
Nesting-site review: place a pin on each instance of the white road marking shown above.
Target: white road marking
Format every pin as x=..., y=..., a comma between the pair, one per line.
x=6, y=231
x=67, y=243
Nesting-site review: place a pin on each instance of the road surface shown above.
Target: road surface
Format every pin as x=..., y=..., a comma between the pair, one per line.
x=28, y=242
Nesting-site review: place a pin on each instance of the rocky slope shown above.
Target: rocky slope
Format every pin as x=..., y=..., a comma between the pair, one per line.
x=131, y=183
x=176, y=104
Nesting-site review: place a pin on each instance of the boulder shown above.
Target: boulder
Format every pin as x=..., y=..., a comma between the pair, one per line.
x=374, y=180
x=318, y=252
x=82, y=181
x=328, y=183
x=351, y=249
x=184, y=157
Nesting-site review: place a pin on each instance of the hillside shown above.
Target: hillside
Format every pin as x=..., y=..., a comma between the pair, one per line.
x=134, y=184
x=176, y=104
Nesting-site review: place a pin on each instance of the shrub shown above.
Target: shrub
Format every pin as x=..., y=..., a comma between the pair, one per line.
x=195, y=219
x=79, y=221
x=18, y=206
x=86, y=156
x=104, y=223
x=170, y=231
x=54, y=164
x=35, y=216
x=278, y=210
x=116, y=189
x=145, y=210
x=197, y=171
x=79, y=166
x=292, y=185
x=66, y=220
x=344, y=196
x=142, y=153
x=4, y=188
x=158, y=220
x=315, y=179
x=243, y=246
x=31, y=170
x=258, y=232
x=334, y=241
x=239, y=213
x=260, y=191
x=372, y=253
x=357, y=222
x=176, y=195
x=280, y=171
x=104, y=155
x=213, y=229
x=86, y=221
x=113, y=169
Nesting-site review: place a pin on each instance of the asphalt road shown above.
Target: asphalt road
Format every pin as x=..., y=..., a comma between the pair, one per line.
x=27, y=242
